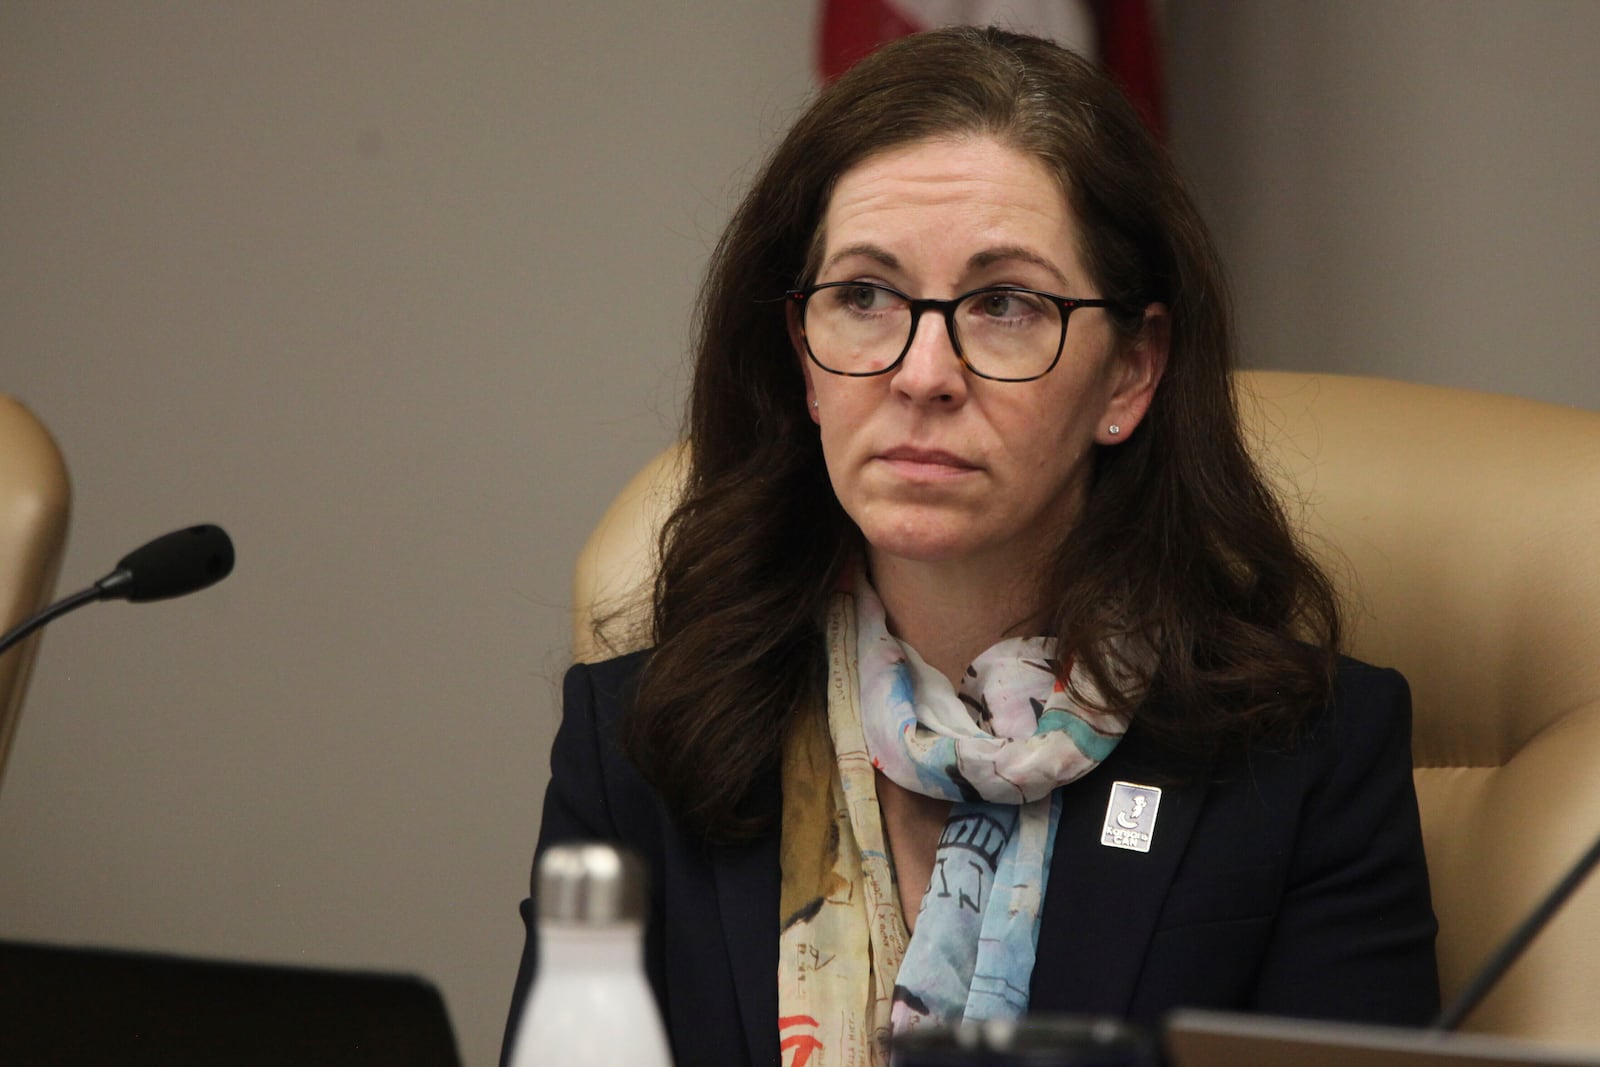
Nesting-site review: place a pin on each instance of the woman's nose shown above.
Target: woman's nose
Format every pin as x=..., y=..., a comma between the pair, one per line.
x=930, y=369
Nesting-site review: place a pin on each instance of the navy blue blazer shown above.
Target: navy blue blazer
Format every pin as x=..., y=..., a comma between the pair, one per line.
x=1289, y=882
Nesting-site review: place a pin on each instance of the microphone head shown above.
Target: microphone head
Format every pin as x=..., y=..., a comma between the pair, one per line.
x=174, y=564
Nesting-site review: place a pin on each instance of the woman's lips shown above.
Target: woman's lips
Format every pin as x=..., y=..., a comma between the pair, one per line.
x=926, y=462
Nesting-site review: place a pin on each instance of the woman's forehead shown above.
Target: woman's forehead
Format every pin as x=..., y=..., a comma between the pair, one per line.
x=972, y=199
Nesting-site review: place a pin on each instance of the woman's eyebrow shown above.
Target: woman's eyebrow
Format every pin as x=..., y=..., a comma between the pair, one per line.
x=990, y=256
x=977, y=261
x=878, y=255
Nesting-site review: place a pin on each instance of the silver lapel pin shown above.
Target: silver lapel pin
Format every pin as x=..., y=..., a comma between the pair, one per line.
x=1131, y=816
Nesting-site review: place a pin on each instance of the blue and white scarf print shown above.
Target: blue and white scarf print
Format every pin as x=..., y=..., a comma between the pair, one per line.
x=998, y=748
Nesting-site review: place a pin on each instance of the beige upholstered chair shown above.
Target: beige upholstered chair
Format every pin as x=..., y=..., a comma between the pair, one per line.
x=34, y=500
x=1465, y=528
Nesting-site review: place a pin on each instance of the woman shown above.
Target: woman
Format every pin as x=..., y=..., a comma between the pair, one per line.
x=967, y=516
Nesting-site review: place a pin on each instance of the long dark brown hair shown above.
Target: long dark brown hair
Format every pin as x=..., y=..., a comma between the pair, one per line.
x=1181, y=550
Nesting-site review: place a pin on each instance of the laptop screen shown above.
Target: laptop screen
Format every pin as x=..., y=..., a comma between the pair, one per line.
x=1197, y=1038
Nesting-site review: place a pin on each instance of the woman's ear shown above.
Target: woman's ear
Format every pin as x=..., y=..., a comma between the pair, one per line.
x=1136, y=371
x=797, y=340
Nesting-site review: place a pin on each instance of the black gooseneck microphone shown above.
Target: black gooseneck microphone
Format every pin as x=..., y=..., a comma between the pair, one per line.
x=1510, y=950
x=175, y=564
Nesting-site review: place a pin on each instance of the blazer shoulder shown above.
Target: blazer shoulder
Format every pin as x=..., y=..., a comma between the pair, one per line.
x=595, y=791
x=1368, y=700
x=604, y=686
x=1362, y=678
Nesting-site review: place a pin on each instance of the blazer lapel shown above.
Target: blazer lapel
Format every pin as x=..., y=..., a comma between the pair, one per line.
x=1101, y=905
x=1102, y=902
x=747, y=881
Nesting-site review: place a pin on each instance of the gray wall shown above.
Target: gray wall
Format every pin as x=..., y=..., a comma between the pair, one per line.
x=398, y=292
x=1405, y=189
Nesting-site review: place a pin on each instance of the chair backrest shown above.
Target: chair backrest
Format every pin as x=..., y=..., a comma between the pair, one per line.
x=1465, y=530
x=34, y=502
x=1466, y=527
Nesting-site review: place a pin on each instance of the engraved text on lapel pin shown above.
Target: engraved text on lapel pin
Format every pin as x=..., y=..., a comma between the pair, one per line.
x=1131, y=816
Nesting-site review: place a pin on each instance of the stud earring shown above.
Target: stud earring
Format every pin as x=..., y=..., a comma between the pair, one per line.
x=814, y=405
x=1114, y=429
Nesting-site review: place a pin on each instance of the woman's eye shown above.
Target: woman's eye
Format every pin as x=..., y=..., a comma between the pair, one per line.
x=1007, y=305
x=997, y=305
x=865, y=297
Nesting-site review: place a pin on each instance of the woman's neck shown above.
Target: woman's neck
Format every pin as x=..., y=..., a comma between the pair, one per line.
x=952, y=613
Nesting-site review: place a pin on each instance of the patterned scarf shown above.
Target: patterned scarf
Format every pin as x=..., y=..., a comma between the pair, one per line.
x=847, y=976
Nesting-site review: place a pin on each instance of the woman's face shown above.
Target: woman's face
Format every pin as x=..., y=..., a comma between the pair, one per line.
x=933, y=463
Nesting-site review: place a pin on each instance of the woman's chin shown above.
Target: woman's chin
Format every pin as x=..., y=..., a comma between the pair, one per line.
x=922, y=544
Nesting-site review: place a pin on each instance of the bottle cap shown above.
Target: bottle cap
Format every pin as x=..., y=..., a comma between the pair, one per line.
x=591, y=884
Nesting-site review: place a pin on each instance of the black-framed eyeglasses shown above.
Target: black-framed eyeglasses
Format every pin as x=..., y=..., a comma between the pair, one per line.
x=1005, y=333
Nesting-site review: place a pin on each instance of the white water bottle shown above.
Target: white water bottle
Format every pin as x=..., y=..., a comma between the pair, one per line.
x=590, y=1005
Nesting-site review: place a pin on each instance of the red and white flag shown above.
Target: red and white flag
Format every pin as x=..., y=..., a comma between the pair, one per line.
x=1121, y=34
